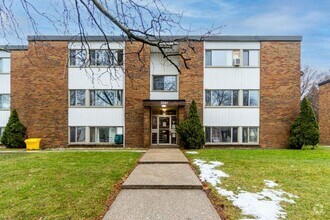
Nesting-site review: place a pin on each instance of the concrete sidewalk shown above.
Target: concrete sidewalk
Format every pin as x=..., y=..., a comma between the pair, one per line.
x=162, y=186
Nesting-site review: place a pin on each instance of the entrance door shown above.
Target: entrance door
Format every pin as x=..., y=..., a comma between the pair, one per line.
x=164, y=129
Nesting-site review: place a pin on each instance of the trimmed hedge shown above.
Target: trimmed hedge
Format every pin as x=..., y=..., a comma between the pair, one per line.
x=14, y=133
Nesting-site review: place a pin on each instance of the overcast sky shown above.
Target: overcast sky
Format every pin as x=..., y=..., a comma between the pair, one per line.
x=308, y=18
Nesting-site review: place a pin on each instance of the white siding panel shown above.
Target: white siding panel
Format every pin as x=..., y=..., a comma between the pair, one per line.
x=96, y=117
x=4, y=83
x=96, y=78
x=161, y=66
x=4, y=54
x=4, y=116
x=164, y=95
x=231, y=78
x=232, y=45
x=231, y=116
x=97, y=45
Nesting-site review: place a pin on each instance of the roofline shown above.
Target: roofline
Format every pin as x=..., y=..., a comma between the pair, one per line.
x=324, y=82
x=222, y=38
x=13, y=47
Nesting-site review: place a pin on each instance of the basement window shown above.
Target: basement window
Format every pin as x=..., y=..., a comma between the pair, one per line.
x=250, y=134
x=221, y=134
x=77, y=134
x=104, y=134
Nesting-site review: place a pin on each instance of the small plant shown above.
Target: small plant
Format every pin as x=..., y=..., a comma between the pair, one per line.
x=191, y=130
x=304, y=130
x=14, y=133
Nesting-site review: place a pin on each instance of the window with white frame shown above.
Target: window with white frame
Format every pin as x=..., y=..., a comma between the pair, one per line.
x=4, y=65
x=78, y=58
x=250, y=98
x=106, y=57
x=104, y=134
x=221, y=134
x=105, y=98
x=219, y=58
x=221, y=97
x=165, y=83
x=4, y=101
x=77, y=134
x=77, y=98
x=250, y=57
x=250, y=134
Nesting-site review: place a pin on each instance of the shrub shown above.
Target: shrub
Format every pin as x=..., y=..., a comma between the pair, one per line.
x=14, y=133
x=191, y=130
x=304, y=130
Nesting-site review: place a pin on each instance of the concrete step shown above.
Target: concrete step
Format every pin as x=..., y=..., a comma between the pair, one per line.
x=162, y=176
x=161, y=204
x=163, y=157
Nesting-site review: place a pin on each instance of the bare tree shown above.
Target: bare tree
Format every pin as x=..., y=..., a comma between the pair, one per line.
x=309, y=80
x=146, y=21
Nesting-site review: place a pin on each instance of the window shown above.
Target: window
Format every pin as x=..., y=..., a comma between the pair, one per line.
x=250, y=98
x=77, y=98
x=4, y=101
x=221, y=134
x=77, y=134
x=78, y=57
x=165, y=83
x=221, y=97
x=1, y=131
x=219, y=58
x=250, y=135
x=106, y=57
x=104, y=134
x=106, y=98
x=250, y=57
x=4, y=65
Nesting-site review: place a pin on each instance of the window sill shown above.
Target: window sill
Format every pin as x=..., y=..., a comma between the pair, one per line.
x=90, y=143
x=164, y=91
x=240, y=107
x=91, y=107
x=4, y=73
x=94, y=67
x=238, y=67
x=230, y=143
x=5, y=109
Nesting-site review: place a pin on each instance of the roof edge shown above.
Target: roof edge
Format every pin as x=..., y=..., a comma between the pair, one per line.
x=13, y=47
x=324, y=82
x=224, y=38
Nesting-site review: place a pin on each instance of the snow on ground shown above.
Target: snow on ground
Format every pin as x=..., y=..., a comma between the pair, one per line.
x=262, y=205
x=191, y=152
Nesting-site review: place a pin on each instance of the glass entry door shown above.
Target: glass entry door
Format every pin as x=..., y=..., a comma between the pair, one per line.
x=163, y=129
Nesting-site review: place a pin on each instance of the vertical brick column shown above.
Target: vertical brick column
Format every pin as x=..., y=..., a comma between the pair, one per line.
x=39, y=82
x=191, y=80
x=279, y=91
x=324, y=113
x=137, y=88
x=147, y=127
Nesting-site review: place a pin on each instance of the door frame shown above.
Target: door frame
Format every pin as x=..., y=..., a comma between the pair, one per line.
x=158, y=130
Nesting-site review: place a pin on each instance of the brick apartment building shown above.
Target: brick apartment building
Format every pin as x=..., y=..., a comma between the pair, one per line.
x=71, y=93
x=324, y=112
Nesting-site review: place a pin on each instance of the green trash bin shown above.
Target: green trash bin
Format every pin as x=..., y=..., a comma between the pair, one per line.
x=119, y=139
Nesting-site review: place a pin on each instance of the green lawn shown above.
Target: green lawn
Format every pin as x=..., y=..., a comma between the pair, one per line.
x=60, y=185
x=305, y=173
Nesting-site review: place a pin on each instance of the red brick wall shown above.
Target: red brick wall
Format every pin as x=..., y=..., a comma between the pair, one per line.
x=279, y=91
x=40, y=91
x=137, y=88
x=191, y=80
x=324, y=114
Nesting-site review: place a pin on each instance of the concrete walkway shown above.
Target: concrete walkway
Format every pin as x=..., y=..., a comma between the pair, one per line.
x=162, y=186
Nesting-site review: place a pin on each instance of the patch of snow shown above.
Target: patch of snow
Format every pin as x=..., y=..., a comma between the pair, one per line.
x=191, y=152
x=262, y=205
x=270, y=184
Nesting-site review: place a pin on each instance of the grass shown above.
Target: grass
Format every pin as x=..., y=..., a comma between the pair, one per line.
x=60, y=185
x=305, y=173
